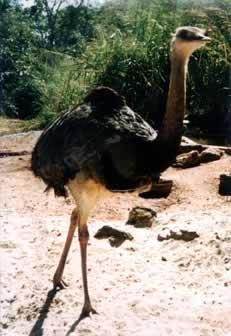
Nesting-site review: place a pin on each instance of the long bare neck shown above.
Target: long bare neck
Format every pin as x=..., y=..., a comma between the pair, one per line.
x=171, y=130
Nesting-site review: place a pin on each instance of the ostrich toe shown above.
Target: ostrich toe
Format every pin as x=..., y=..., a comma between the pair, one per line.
x=87, y=310
x=59, y=283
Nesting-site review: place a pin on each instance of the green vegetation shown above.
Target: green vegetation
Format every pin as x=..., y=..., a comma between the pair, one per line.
x=52, y=55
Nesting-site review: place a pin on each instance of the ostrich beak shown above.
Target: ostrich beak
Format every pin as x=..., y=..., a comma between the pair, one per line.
x=206, y=39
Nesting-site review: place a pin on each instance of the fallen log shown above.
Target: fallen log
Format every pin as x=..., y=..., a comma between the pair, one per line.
x=226, y=149
x=188, y=145
x=4, y=154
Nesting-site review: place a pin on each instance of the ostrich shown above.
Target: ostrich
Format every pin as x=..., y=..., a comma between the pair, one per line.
x=103, y=147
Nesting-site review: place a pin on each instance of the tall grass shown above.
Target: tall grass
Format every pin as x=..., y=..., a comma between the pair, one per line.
x=134, y=60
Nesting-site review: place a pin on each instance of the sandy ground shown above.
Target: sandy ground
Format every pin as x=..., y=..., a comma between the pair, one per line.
x=144, y=287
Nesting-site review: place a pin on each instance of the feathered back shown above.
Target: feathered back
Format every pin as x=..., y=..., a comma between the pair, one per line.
x=82, y=136
x=105, y=99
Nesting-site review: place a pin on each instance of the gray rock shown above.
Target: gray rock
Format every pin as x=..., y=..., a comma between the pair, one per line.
x=187, y=145
x=227, y=150
x=210, y=154
x=182, y=235
x=187, y=160
x=116, y=237
x=141, y=217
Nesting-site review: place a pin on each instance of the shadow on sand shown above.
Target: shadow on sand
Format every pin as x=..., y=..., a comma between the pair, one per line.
x=37, y=329
x=75, y=324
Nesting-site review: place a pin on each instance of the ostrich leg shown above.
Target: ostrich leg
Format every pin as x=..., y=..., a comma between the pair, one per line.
x=86, y=193
x=83, y=240
x=57, y=279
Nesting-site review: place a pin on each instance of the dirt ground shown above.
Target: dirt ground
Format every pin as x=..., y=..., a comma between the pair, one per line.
x=144, y=287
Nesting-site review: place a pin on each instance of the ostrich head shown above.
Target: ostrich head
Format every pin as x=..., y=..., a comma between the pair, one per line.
x=187, y=39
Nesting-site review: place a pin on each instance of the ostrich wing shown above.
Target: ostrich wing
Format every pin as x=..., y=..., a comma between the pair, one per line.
x=90, y=137
x=80, y=137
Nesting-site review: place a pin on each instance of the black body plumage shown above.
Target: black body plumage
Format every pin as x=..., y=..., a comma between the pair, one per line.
x=104, y=137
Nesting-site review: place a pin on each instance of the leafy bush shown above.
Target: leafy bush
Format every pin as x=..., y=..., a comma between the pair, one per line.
x=123, y=44
x=21, y=94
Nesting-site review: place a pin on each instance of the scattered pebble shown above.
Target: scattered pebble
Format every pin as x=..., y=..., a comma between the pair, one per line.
x=182, y=235
x=141, y=217
x=116, y=237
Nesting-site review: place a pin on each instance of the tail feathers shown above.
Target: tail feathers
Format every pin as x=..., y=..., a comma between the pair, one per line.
x=59, y=190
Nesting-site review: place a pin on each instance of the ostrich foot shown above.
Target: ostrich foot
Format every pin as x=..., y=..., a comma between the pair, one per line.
x=58, y=282
x=87, y=310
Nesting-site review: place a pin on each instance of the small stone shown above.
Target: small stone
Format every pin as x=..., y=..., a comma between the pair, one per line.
x=188, y=145
x=210, y=154
x=187, y=160
x=141, y=217
x=116, y=237
x=182, y=235
x=132, y=249
x=29, y=317
x=4, y=325
x=217, y=236
x=219, y=251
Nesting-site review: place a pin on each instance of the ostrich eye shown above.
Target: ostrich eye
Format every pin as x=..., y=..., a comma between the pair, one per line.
x=183, y=34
